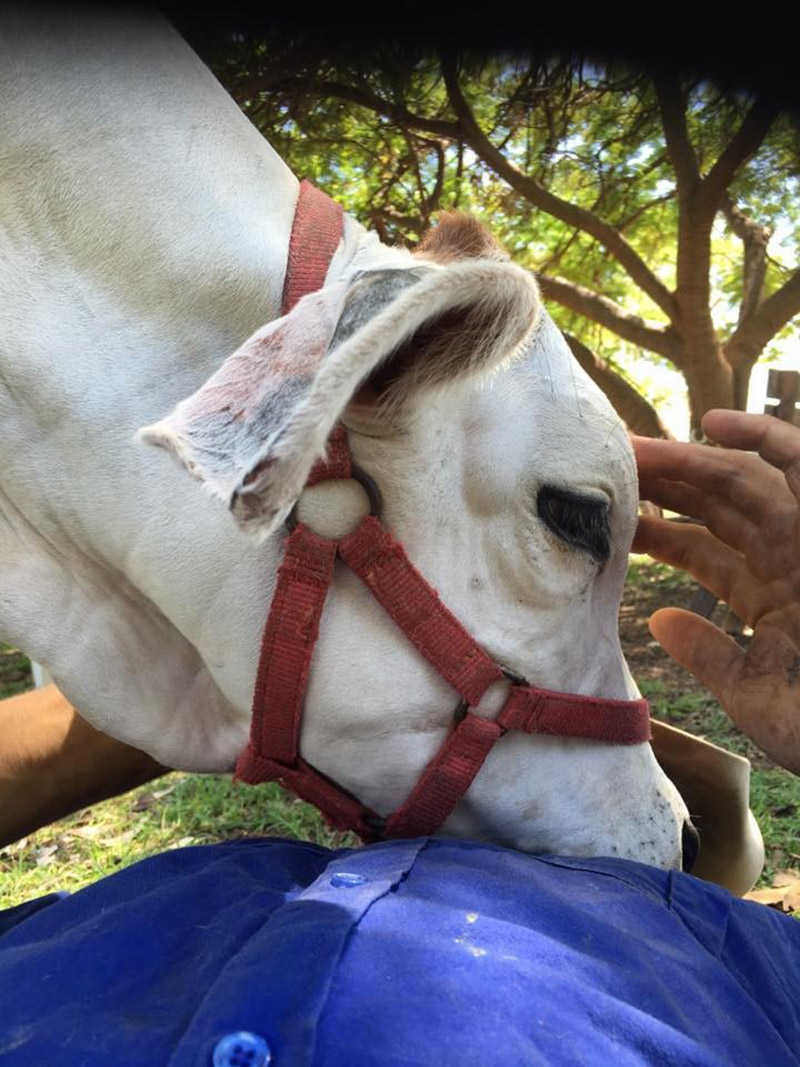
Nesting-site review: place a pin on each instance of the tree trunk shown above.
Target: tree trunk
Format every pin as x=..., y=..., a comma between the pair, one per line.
x=741, y=384
x=709, y=381
x=741, y=358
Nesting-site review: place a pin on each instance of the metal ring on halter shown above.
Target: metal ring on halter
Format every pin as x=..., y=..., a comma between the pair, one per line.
x=513, y=677
x=367, y=484
x=463, y=706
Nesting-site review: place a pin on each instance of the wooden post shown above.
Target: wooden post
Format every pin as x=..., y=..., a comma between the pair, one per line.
x=784, y=386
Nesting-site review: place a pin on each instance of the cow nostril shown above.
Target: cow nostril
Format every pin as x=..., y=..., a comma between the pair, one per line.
x=690, y=846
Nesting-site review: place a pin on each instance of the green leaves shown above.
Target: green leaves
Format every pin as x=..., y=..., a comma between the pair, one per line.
x=384, y=132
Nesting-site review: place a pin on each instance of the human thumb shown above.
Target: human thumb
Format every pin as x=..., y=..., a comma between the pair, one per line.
x=705, y=651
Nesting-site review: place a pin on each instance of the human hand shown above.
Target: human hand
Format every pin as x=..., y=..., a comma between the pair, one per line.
x=747, y=554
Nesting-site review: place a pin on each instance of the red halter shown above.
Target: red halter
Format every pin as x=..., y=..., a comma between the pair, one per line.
x=382, y=565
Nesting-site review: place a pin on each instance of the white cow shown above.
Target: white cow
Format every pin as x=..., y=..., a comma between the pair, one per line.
x=144, y=226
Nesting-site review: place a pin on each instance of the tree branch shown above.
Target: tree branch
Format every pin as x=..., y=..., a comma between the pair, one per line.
x=755, y=239
x=626, y=222
x=638, y=414
x=397, y=113
x=672, y=105
x=386, y=213
x=744, y=143
x=459, y=174
x=431, y=203
x=468, y=131
x=414, y=158
x=749, y=338
x=537, y=195
x=605, y=312
x=557, y=255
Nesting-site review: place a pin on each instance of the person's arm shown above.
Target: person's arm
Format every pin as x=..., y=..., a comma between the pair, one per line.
x=747, y=554
x=52, y=762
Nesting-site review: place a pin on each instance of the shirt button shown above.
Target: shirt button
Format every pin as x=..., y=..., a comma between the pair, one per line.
x=345, y=880
x=241, y=1049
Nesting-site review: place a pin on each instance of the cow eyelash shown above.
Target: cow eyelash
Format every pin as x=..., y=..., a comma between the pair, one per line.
x=580, y=521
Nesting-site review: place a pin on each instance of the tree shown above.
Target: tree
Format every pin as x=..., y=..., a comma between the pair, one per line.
x=658, y=211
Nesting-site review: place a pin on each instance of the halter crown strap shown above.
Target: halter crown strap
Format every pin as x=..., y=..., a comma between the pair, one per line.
x=316, y=232
x=381, y=563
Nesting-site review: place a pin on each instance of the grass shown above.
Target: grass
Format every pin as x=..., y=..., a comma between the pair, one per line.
x=186, y=809
x=171, y=812
x=15, y=672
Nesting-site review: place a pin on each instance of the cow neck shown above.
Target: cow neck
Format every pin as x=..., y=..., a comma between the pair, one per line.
x=370, y=551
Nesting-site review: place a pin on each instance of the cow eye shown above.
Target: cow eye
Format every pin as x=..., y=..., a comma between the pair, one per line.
x=581, y=521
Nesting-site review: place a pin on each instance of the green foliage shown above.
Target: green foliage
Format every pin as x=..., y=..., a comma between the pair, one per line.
x=172, y=812
x=644, y=571
x=376, y=128
x=591, y=135
x=15, y=672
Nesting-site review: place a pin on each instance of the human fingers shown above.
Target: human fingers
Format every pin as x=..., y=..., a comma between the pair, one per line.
x=719, y=568
x=762, y=534
x=727, y=522
x=705, y=651
x=776, y=441
x=746, y=481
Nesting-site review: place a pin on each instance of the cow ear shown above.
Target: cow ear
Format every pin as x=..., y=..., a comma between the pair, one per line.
x=458, y=236
x=446, y=350
x=224, y=431
x=253, y=432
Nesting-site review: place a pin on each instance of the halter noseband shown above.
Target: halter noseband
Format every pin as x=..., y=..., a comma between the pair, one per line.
x=381, y=563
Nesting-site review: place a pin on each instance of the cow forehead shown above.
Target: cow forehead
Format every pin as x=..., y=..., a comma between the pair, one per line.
x=541, y=420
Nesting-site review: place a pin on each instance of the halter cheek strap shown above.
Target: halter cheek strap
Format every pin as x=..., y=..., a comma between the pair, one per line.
x=381, y=563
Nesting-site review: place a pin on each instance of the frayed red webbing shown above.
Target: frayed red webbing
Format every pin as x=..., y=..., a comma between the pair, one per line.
x=286, y=648
x=317, y=230
x=383, y=566
x=341, y=810
x=543, y=711
x=381, y=563
x=446, y=778
x=529, y=710
x=337, y=461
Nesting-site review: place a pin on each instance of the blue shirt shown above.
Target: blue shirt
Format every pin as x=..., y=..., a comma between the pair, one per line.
x=420, y=952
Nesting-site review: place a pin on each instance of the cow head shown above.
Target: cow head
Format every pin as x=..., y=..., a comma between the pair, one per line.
x=511, y=483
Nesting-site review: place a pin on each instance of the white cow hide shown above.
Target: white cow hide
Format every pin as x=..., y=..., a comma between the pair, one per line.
x=144, y=227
